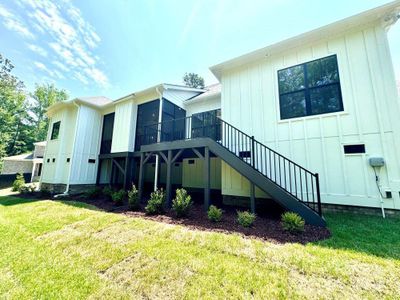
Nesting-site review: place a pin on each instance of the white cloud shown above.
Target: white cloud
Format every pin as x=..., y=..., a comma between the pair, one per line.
x=61, y=66
x=12, y=22
x=38, y=50
x=69, y=36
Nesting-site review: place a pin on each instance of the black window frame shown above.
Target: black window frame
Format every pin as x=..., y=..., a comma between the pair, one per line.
x=55, y=134
x=307, y=88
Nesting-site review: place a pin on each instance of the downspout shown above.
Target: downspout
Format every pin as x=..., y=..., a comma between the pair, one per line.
x=158, y=139
x=72, y=153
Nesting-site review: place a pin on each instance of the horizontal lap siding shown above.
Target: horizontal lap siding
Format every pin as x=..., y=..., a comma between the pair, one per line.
x=250, y=101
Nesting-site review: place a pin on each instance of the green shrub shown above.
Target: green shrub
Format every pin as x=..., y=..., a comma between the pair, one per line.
x=118, y=197
x=182, y=203
x=245, y=218
x=93, y=193
x=108, y=192
x=292, y=222
x=133, y=198
x=156, y=203
x=19, y=183
x=214, y=214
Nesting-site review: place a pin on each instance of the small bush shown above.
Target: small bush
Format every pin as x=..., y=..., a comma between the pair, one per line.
x=93, y=193
x=118, y=197
x=292, y=222
x=181, y=203
x=245, y=218
x=133, y=198
x=19, y=183
x=108, y=192
x=156, y=203
x=214, y=214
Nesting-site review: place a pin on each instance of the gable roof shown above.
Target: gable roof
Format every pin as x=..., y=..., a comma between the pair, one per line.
x=388, y=14
x=212, y=91
x=161, y=87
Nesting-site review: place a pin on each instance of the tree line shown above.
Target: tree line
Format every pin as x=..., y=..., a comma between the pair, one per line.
x=23, y=119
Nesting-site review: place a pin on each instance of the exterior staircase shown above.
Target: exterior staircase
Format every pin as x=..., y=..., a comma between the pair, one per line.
x=289, y=184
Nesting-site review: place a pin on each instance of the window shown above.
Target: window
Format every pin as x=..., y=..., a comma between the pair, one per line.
x=207, y=124
x=311, y=88
x=55, y=130
x=106, y=136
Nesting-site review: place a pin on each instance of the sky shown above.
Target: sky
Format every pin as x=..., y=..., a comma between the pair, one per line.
x=114, y=48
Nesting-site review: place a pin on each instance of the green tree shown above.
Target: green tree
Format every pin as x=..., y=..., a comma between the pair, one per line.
x=193, y=80
x=43, y=97
x=13, y=112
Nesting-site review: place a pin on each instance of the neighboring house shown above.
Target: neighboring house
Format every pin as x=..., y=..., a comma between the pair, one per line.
x=295, y=122
x=28, y=163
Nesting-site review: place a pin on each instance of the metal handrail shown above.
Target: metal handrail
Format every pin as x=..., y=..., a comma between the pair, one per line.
x=290, y=176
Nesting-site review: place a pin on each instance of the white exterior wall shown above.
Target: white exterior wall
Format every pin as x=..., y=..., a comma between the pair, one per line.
x=59, y=149
x=203, y=105
x=178, y=97
x=87, y=146
x=124, y=127
x=250, y=101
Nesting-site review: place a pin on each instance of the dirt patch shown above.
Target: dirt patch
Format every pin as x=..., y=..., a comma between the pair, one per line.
x=265, y=228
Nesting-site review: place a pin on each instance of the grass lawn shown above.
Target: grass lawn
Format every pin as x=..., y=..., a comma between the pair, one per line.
x=70, y=250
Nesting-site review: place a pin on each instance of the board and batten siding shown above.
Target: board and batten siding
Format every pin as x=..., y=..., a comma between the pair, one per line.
x=59, y=149
x=124, y=127
x=250, y=101
x=87, y=146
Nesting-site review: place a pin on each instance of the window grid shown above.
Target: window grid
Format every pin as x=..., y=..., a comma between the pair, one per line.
x=307, y=89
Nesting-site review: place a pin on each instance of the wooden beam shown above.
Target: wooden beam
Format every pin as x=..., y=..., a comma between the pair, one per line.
x=141, y=178
x=169, y=180
x=252, y=198
x=177, y=155
x=206, y=178
x=98, y=172
x=197, y=153
x=119, y=166
x=163, y=156
x=147, y=157
x=128, y=171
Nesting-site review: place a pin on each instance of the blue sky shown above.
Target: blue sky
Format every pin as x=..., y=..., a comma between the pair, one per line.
x=113, y=48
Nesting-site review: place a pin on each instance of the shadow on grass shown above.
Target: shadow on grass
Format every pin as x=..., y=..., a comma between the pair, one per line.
x=371, y=235
x=17, y=199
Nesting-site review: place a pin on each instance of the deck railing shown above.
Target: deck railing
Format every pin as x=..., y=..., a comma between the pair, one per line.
x=290, y=176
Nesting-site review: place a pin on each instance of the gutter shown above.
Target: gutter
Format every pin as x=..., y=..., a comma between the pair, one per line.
x=158, y=138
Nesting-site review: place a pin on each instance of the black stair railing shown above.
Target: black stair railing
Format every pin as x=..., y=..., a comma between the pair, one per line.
x=290, y=176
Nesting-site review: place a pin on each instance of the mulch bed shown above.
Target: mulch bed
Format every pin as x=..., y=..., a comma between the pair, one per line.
x=264, y=228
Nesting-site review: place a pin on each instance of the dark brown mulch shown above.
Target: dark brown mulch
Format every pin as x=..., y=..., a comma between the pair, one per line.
x=264, y=228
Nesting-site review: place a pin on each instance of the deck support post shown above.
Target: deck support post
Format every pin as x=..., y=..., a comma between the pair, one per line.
x=206, y=178
x=112, y=173
x=168, y=183
x=141, y=179
x=98, y=172
x=252, y=198
x=128, y=172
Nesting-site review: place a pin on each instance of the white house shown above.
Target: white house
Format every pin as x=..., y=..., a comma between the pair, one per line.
x=306, y=122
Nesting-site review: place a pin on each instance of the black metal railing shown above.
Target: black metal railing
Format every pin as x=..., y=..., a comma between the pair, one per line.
x=290, y=176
